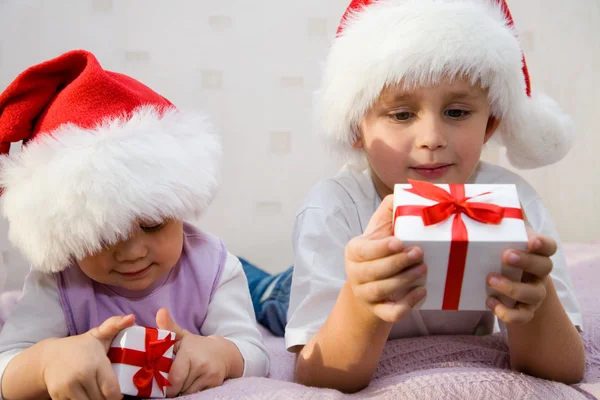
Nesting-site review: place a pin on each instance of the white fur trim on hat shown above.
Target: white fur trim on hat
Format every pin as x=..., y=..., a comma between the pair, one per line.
x=419, y=42
x=541, y=134
x=68, y=192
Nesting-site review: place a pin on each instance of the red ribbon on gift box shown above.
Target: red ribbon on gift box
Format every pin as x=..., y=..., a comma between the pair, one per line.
x=151, y=361
x=454, y=203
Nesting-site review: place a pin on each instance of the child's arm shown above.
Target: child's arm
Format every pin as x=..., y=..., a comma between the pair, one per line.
x=549, y=346
x=36, y=317
x=231, y=316
x=230, y=346
x=542, y=339
x=32, y=338
x=18, y=384
x=344, y=353
x=72, y=367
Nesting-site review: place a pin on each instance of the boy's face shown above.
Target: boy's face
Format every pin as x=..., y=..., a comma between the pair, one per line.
x=135, y=263
x=434, y=134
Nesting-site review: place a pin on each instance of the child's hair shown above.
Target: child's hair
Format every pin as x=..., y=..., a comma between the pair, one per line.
x=418, y=42
x=101, y=150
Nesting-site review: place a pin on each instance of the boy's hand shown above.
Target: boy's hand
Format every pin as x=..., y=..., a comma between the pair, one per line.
x=76, y=367
x=200, y=362
x=531, y=291
x=380, y=270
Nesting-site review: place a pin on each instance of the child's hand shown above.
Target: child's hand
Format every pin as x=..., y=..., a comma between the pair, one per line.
x=531, y=291
x=380, y=270
x=77, y=367
x=200, y=362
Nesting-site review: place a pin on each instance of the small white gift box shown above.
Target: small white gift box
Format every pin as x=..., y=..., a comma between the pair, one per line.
x=463, y=231
x=141, y=358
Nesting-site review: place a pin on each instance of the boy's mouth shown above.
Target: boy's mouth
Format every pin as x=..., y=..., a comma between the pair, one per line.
x=431, y=171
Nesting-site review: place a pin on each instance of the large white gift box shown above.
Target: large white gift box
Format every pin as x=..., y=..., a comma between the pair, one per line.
x=463, y=231
x=141, y=358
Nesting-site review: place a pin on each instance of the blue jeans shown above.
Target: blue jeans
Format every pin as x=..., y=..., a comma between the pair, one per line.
x=271, y=312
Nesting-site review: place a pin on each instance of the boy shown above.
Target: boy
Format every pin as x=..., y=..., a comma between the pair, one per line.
x=413, y=89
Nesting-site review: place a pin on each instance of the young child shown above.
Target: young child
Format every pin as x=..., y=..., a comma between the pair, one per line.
x=413, y=89
x=97, y=200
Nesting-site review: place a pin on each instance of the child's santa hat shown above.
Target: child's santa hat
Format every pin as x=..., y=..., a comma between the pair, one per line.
x=416, y=42
x=101, y=150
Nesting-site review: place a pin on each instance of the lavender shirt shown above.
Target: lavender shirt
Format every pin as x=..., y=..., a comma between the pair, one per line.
x=185, y=291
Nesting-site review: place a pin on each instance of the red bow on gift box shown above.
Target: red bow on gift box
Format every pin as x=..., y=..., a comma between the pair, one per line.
x=454, y=203
x=151, y=361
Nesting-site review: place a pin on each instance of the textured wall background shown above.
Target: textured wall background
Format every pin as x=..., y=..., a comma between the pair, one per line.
x=253, y=65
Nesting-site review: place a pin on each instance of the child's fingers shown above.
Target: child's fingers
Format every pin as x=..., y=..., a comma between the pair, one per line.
x=92, y=390
x=380, y=290
x=77, y=391
x=203, y=382
x=164, y=321
x=535, y=264
x=213, y=384
x=529, y=293
x=386, y=267
x=380, y=224
x=521, y=314
x=540, y=244
x=361, y=249
x=197, y=371
x=107, y=382
x=111, y=327
x=394, y=311
x=196, y=385
x=178, y=374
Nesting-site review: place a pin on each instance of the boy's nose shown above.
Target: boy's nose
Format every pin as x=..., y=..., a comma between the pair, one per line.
x=431, y=134
x=131, y=249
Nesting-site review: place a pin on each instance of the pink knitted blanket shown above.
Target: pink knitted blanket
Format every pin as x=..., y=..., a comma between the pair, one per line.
x=446, y=367
x=442, y=367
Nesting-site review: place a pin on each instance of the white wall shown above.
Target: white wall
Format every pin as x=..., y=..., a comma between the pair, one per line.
x=253, y=65
x=562, y=45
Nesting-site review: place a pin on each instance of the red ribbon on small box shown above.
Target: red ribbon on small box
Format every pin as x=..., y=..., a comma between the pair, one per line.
x=454, y=203
x=151, y=361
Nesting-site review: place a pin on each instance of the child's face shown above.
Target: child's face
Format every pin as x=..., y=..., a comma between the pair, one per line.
x=135, y=263
x=434, y=134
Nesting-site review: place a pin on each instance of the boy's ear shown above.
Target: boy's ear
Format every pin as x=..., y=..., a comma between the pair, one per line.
x=492, y=126
x=358, y=143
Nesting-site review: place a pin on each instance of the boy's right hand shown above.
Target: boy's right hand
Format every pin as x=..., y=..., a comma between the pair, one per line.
x=381, y=271
x=77, y=367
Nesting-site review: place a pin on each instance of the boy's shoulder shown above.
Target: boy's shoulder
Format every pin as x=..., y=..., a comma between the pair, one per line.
x=349, y=187
x=487, y=173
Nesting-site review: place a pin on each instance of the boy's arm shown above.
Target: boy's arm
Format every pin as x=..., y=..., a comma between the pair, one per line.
x=549, y=346
x=231, y=316
x=37, y=316
x=345, y=352
x=378, y=291
x=338, y=341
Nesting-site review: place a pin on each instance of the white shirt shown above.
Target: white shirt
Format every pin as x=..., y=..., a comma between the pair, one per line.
x=339, y=209
x=39, y=316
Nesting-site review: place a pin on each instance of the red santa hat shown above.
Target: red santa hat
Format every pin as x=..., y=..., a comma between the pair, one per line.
x=100, y=150
x=417, y=42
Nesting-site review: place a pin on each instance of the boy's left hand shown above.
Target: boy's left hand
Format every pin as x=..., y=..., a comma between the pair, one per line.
x=531, y=291
x=199, y=361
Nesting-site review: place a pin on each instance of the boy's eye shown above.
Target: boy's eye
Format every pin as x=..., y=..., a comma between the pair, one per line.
x=456, y=114
x=402, y=116
x=152, y=228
